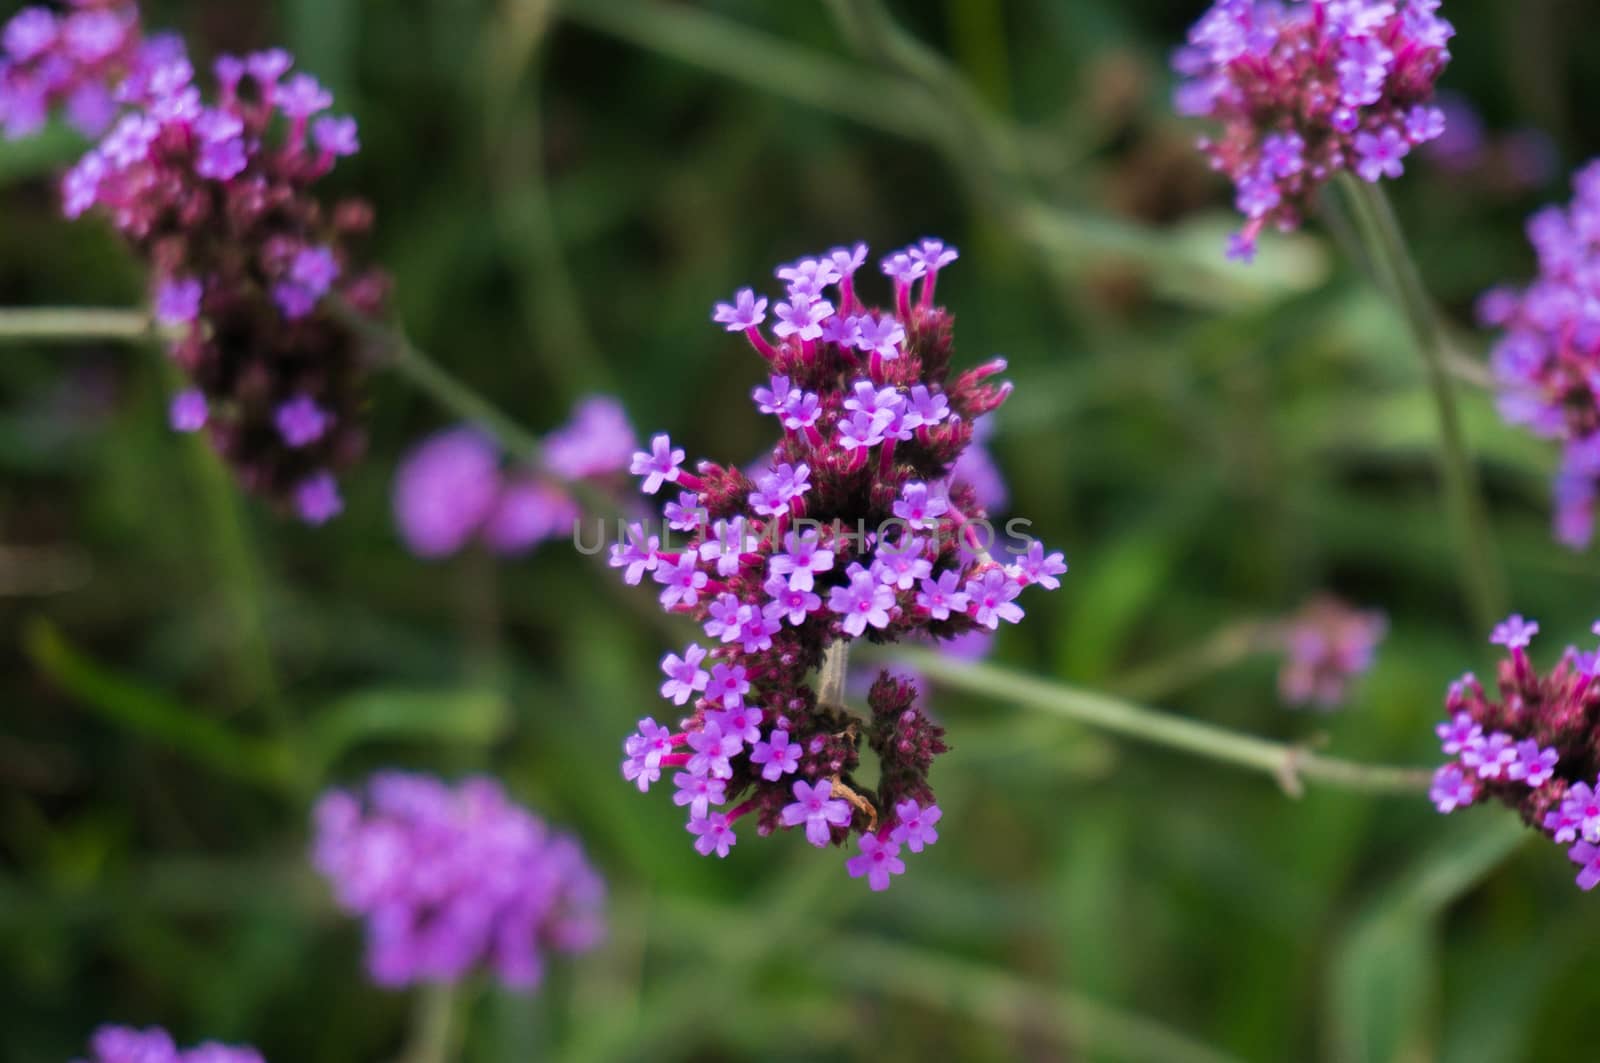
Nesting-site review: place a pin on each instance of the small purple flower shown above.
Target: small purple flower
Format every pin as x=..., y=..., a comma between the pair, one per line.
x=900, y=565
x=1039, y=568
x=1452, y=789
x=880, y=336
x=188, y=411
x=683, y=581
x=659, y=465
x=1379, y=154
x=1491, y=760
x=920, y=507
x=803, y=412
x=789, y=602
x=685, y=677
x=1424, y=124
x=943, y=596
x=1459, y=734
x=756, y=630
x=728, y=686
x=640, y=554
x=30, y=33
x=317, y=499
x=861, y=430
x=745, y=312
x=699, y=792
x=777, y=756
x=644, y=750
x=925, y=409
x=1532, y=765
x=992, y=597
x=1283, y=154
x=336, y=136
x=177, y=301
x=801, y=316
x=302, y=96
x=1514, y=633
x=933, y=253
x=726, y=617
x=1589, y=856
x=865, y=601
x=741, y=721
x=802, y=558
x=878, y=860
x=902, y=268
x=712, y=750
x=1582, y=805
x=815, y=806
x=914, y=825
x=715, y=834
x=809, y=276
x=727, y=544
x=775, y=399
x=301, y=422
x=778, y=488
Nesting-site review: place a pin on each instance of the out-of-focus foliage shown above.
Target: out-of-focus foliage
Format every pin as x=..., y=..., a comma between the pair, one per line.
x=562, y=194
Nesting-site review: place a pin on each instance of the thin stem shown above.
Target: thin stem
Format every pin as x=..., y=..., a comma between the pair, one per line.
x=435, y=1036
x=1386, y=246
x=835, y=667
x=1226, y=647
x=71, y=324
x=1290, y=765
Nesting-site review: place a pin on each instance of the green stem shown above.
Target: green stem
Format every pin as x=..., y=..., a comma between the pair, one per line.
x=70, y=324
x=1397, y=273
x=835, y=668
x=1290, y=765
x=435, y=1031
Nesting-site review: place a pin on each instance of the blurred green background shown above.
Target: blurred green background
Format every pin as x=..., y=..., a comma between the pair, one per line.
x=563, y=191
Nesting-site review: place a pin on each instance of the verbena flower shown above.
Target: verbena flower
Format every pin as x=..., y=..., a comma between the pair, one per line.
x=220, y=199
x=70, y=60
x=450, y=490
x=860, y=524
x=124, y=1044
x=1530, y=742
x=453, y=880
x=1327, y=643
x=1546, y=365
x=1303, y=89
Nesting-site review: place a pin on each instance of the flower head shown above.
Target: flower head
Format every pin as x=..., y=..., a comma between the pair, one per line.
x=1546, y=363
x=1327, y=643
x=1533, y=745
x=454, y=880
x=125, y=1044
x=861, y=523
x=1303, y=90
x=221, y=199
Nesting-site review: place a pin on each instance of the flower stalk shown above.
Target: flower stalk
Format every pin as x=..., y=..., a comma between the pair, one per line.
x=1292, y=766
x=1397, y=274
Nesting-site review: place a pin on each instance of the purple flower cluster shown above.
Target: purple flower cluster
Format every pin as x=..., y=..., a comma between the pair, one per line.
x=1536, y=748
x=454, y=880
x=124, y=1044
x=450, y=489
x=72, y=60
x=1547, y=364
x=854, y=527
x=1327, y=643
x=1306, y=88
x=220, y=200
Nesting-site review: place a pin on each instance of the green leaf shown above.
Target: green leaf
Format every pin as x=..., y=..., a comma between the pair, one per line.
x=155, y=716
x=472, y=716
x=1384, y=983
